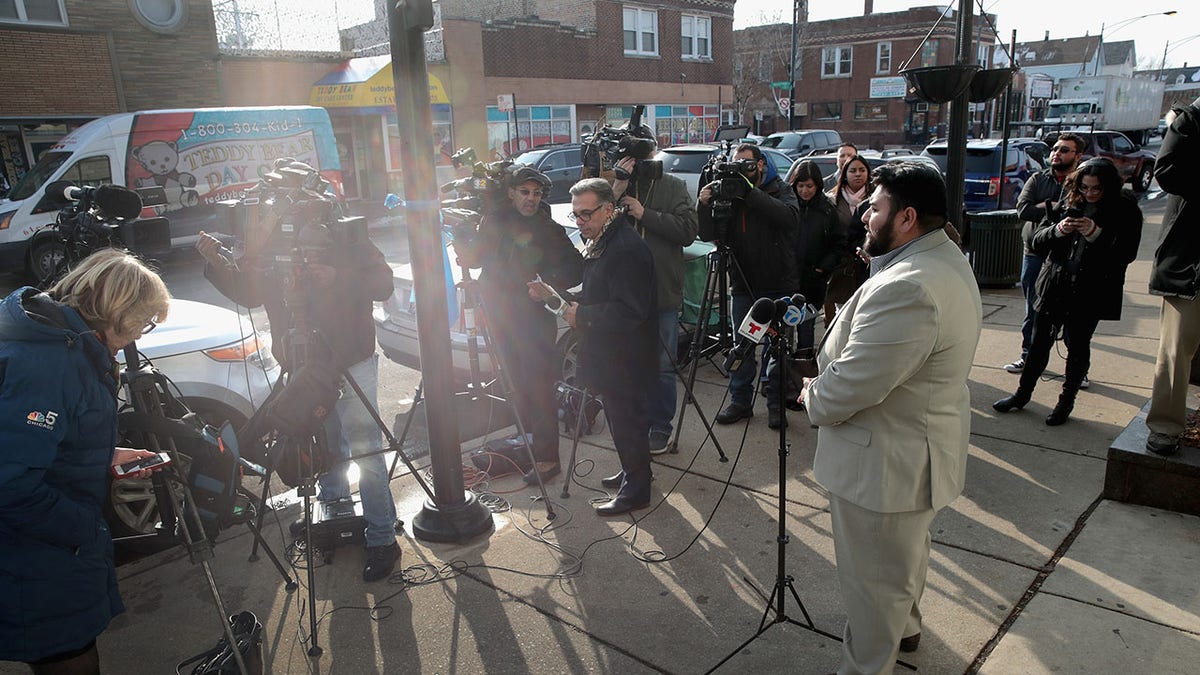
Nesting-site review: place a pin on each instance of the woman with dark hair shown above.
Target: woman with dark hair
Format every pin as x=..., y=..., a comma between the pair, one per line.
x=1087, y=241
x=850, y=200
x=820, y=241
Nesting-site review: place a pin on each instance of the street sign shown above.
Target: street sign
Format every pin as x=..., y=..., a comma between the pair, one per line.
x=781, y=85
x=784, y=105
x=505, y=102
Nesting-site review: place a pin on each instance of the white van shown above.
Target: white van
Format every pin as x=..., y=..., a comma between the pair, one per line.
x=198, y=156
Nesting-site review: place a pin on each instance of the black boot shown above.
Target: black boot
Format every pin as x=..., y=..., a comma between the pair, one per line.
x=1010, y=403
x=1066, y=403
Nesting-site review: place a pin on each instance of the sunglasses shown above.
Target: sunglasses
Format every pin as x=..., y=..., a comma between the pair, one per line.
x=525, y=192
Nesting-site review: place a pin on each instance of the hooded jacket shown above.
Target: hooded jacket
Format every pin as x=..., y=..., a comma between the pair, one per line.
x=761, y=236
x=1177, y=169
x=58, y=429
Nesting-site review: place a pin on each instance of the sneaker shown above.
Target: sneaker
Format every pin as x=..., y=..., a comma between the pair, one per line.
x=1162, y=444
x=381, y=560
x=659, y=441
x=1016, y=366
x=1085, y=383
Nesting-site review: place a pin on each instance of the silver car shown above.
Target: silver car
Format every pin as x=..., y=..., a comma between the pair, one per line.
x=221, y=368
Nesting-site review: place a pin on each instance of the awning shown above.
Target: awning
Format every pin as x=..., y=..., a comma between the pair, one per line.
x=365, y=85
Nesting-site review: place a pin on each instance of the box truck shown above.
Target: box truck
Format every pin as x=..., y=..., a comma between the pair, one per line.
x=198, y=156
x=1109, y=102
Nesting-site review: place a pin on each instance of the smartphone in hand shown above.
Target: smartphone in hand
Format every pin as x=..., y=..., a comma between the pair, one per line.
x=132, y=468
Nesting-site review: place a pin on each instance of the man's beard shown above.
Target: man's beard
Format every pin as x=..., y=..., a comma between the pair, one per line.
x=881, y=242
x=1061, y=167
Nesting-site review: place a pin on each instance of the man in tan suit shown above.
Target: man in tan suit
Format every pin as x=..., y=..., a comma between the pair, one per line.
x=894, y=412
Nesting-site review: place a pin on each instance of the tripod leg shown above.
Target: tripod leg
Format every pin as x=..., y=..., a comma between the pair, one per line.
x=408, y=420
x=695, y=349
x=566, y=491
x=262, y=514
x=289, y=583
x=308, y=490
x=387, y=433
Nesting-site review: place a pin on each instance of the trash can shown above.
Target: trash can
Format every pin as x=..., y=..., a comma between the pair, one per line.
x=996, y=250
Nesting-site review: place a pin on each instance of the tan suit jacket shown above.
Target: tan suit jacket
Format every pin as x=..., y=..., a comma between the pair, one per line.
x=891, y=397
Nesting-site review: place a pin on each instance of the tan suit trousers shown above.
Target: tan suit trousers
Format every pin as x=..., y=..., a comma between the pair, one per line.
x=1179, y=336
x=882, y=560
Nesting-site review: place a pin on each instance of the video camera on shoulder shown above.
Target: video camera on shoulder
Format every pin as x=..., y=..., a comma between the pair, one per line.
x=295, y=213
x=728, y=178
x=609, y=145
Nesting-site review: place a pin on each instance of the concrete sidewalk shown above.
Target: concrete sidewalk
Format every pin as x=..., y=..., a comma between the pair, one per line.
x=1031, y=572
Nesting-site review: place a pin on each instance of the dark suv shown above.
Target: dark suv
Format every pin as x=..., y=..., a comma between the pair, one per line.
x=561, y=163
x=796, y=144
x=1135, y=163
x=984, y=179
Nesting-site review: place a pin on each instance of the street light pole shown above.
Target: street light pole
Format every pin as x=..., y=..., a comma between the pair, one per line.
x=792, y=65
x=1118, y=26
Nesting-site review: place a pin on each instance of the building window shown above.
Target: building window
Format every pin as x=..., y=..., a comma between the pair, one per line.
x=883, y=58
x=679, y=124
x=870, y=111
x=536, y=125
x=695, y=37
x=836, y=61
x=765, y=67
x=929, y=53
x=33, y=11
x=160, y=16
x=827, y=111
x=641, y=32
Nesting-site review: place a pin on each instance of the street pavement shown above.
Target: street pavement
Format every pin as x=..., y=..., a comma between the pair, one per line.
x=1031, y=571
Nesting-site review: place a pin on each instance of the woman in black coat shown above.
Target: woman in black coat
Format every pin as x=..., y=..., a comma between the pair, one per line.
x=821, y=238
x=1092, y=240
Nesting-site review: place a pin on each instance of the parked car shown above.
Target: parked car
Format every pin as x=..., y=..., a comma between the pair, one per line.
x=562, y=163
x=686, y=162
x=1135, y=164
x=1162, y=128
x=396, y=319
x=984, y=177
x=803, y=143
x=219, y=366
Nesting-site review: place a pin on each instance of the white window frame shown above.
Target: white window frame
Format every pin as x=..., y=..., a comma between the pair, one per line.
x=641, y=17
x=837, y=52
x=690, y=36
x=22, y=17
x=883, y=50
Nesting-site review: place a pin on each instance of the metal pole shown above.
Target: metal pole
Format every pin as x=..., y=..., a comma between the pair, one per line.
x=1005, y=121
x=956, y=142
x=1162, y=66
x=516, y=149
x=453, y=515
x=792, y=65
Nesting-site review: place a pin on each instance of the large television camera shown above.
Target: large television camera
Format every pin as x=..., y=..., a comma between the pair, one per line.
x=94, y=217
x=294, y=215
x=728, y=180
x=479, y=193
x=609, y=145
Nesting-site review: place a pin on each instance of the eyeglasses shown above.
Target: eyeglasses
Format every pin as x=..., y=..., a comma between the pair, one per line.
x=527, y=192
x=1091, y=188
x=150, y=325
x=585, y=215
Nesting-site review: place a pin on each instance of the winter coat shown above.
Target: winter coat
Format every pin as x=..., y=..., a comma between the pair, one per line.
x=341, y=312
x=1098, y=285
x=1031, y=204
x=762, y=238
x=820, y=241
x=58, y=430
x=1177, y=169
x=617, y=319
x=669, y=223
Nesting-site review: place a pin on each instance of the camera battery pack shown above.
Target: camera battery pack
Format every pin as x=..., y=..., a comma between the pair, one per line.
x=338, y=523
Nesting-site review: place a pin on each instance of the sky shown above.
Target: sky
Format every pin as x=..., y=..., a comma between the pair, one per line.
x=1031, y=19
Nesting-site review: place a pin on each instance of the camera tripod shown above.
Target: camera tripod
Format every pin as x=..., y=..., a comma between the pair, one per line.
x=784, y=582
x=149, y=395
x=718, y=264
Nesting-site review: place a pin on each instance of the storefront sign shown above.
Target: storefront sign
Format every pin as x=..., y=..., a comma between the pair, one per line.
x=888, y=87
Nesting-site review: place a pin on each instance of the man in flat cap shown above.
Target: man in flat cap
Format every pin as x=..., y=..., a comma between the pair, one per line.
x=518, y=241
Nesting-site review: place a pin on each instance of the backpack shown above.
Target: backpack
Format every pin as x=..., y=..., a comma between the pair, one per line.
x=215, y=477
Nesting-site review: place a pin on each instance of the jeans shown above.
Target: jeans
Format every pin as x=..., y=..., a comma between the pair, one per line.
x=742, y=380
x=1077, y=329
x=352, y=432
x=1030, y=267
x=663, y=398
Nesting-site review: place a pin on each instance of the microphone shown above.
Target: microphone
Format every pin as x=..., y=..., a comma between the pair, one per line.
x=113, y=200
x=792, y=311
x=754, y=328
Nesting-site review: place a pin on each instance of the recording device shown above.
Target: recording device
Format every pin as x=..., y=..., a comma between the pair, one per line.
x=297, y=213
x=571, y=400
x=609, y=145
x=1074, y=212
x=132, y=468
x=114, y=201
x=728, y=180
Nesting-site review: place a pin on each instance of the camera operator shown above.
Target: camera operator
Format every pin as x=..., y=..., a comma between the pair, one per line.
x=760, y=233
x=662, y=212
x=517, y=242
x=58, y=428
x=338, y=292
x=618, y=337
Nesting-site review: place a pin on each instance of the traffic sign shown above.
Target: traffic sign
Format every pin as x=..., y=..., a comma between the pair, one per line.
x=505, y=102
x=784, y=105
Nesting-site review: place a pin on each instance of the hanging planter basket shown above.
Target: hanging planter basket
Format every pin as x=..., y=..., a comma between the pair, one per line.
x=988, y=84
x=938, y=84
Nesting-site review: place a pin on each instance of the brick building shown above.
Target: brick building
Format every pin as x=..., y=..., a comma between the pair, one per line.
x=847, y=74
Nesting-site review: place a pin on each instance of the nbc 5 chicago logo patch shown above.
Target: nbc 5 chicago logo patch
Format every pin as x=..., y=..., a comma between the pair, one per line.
x=44, y=420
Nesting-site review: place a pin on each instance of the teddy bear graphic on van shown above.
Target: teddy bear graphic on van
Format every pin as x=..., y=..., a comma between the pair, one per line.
x=161, y=159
